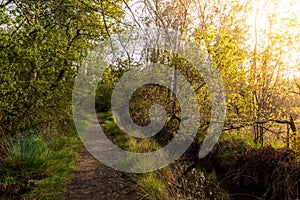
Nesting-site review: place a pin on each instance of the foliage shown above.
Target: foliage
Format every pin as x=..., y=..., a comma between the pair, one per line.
x=42, y=44
x=264, y=172
x=225, y=44
x=36, y=169
x=62, y=161
x=296, y=145
x=110, y=77
x=150, y=185
x=166, y=183
x=26, y=160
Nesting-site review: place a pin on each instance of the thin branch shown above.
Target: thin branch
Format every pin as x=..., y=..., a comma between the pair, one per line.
x=6, y=4
x=104, y=20
x=298, y=93
x=103, y=13
x=133, y=15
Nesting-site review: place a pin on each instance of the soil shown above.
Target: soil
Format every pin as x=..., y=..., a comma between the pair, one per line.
x=93, y=180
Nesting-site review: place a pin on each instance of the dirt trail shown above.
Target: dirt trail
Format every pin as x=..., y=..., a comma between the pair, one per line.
x=93, y=180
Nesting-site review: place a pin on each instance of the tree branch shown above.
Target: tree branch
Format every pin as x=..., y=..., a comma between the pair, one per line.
x=6, y=4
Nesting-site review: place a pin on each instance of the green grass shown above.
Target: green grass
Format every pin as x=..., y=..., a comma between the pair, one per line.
x=64, y=153
x=150, y=185
x=26, y=158
x=45, y=166
x=153, y=186
x=236, y=137
x=248, y=138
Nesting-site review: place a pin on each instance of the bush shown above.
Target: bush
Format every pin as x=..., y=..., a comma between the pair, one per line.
x=264, y=172
x=62, y=157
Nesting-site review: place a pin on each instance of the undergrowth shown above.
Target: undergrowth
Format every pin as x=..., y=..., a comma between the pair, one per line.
x=152, y=185
x=36, y=167
x=245, y=136
x=235, y=164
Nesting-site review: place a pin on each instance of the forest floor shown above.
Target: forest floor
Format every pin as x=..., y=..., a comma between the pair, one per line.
x=93, y=180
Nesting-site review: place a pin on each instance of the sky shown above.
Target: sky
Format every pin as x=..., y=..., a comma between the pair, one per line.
x=283, y=10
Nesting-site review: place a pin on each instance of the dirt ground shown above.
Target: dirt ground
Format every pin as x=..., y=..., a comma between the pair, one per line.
x=93, y=180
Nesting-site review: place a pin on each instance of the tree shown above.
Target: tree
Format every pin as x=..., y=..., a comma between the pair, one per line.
x=42, y=44
x=271, y=56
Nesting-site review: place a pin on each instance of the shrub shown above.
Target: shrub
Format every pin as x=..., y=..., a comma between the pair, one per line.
x=61, y=159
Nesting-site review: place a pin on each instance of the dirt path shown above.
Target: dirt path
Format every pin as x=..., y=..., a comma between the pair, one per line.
x=93, y=180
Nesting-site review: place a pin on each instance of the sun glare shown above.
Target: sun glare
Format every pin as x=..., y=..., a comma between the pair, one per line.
x=278, y=16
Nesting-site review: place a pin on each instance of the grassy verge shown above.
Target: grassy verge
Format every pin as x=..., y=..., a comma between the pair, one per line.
x=62, y=162
x=152, y=185
x=245, y=136
x=39, y=168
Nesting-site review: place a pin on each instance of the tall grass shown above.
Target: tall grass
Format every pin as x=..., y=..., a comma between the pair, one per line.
x=35, y=168
x=63, y=154
x=27, y=157
x=25, y=161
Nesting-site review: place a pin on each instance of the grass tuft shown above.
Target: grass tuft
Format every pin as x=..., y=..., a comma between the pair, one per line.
x=35, y=168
